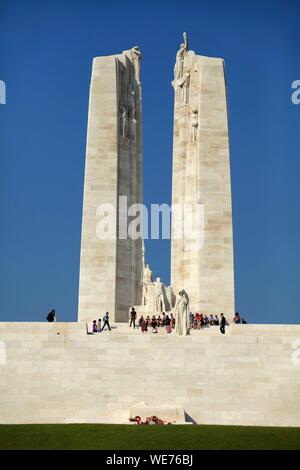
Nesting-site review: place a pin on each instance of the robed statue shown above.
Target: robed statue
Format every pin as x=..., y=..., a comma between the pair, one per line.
x=181, y=313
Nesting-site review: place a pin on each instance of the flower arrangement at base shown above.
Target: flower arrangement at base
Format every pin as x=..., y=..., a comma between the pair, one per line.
x=148, y=421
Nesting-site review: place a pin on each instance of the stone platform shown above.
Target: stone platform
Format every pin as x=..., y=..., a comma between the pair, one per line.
x=56, y=373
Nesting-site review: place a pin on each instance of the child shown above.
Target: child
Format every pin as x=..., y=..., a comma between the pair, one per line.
x=144, y=326
x=95, y=330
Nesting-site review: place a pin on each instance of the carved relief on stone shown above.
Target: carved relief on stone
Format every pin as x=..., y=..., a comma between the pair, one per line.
x=178, y=69
x=124, y=121
x=193, y=124
x=136, y=56
x=131, y=101
x=184, y=84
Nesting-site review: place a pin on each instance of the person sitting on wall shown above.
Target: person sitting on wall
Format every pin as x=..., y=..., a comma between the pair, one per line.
x=144, y=326
x=51, y=316
x=168, y=324
x=163, y=321
x=217, y=321
x=172, y=321
x=191, y=319
x=148, y=321
x=211, y=320
x=154, y=324
x=205, y=319
x=236, y=318
x=159, y=320
x=95, y=329
x=133, y=316
x=244, y=322
x=99, y=325
x=141, y=321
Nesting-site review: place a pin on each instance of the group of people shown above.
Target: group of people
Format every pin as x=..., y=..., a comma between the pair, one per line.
x=154, y=322
x=97, y=328
x=196, y=321
x=200, y=321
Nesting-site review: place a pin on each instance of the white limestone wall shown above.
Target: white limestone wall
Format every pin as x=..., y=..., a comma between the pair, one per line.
x=110, y=268
x=201, y=175
x=56, y=373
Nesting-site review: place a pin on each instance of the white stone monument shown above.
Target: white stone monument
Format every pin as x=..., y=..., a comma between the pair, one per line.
x=201, y=176
x=110, y=269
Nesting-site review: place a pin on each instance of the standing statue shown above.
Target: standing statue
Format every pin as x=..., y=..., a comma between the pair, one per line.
x=131, y=101
x=159, y=289
x=182, y=314
x=124, y=119
x=178, y=69
x=194, y=124
x=136, y=59
x=147, y=279
x=184, y=84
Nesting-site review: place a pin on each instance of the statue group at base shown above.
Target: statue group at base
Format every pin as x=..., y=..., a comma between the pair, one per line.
x=157, y=298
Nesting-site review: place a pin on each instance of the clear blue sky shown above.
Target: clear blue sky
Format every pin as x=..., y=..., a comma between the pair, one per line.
x=46, y=52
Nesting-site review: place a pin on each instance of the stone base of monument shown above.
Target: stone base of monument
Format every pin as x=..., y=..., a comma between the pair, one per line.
x=169, y=414
x=57, y=373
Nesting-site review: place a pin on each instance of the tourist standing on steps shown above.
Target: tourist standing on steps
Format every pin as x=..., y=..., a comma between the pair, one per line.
x=132, y=317
x=106, y=322
x=223, y=323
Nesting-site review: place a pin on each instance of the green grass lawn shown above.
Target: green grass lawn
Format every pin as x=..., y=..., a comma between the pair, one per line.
x=121, y=437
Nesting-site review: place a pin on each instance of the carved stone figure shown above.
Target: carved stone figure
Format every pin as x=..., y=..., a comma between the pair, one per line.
x=131, y=101
x=193, y=124
x=160, y=305
x=184, y=84
x=182, y=314
x=136, y=59
x=124, y=121
x=178, y=69
x=147, y=279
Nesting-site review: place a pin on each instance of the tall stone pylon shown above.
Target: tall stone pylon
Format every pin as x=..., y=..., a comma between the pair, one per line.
x=111, y=264
x=202, y=240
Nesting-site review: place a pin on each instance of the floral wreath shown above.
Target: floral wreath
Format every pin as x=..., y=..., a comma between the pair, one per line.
x=148, y=421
